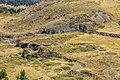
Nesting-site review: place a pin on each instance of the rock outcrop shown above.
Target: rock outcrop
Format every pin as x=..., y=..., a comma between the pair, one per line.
x=88, y=24
x=12, y=36
x=108, y=34
x=56, y=30
x=28, y=54
x=84, y=27
x=82, y=73
x=35, y=51
x=101, y=17
x=8, y=36
x=34, y=47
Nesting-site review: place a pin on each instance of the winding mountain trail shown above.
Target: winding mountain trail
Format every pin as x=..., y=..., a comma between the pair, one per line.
x=109, y=73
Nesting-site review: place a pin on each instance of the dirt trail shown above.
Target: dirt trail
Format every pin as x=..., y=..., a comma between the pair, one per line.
x=109, y=73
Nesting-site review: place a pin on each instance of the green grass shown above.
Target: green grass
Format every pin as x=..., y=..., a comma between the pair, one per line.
x=75, y=46
x=65, y=77
x=51, y=64
x=56, y=9
x=66, y=68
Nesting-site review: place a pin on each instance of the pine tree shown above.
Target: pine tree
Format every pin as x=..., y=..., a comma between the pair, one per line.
x=22, y=76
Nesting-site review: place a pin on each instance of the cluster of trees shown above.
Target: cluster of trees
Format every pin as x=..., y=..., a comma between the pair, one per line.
x=19, y=2
x=4, y=9
x=20, y=76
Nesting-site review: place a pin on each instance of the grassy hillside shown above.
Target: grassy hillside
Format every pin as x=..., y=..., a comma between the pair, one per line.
x=50, y=14
x=28, y=40
x=57, y=13
x=113, y=7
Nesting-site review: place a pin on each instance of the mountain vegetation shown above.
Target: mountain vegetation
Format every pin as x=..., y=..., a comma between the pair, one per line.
x=60, y=40
x=19, y=2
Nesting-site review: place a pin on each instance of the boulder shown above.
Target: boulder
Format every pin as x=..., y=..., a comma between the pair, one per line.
x=35, y=51
x=34, y=47
x=109, y=34
x=94, y=47
x=59, y=29
x=50, y=55
x=46, y=17
x=82, y=73
x=8, y=36
x=29, y=54
x=101, y=17
x=73, y=73
x=83, y=27
x=48, y=31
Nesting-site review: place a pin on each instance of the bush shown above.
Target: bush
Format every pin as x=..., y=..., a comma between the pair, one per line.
x=10, y=10
x=22, y=76
x=3, y=75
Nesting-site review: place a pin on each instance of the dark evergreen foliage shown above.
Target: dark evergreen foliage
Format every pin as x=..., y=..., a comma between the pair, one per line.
x=4, y=9
x=22, y=76
x=19, y=2
x=3, y=75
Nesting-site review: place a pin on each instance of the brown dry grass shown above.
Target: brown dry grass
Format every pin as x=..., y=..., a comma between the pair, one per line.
x=94, y=60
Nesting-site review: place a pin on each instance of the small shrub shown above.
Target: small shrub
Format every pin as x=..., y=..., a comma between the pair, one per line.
x=22, y=76
x=3, y=75
x=70, y=64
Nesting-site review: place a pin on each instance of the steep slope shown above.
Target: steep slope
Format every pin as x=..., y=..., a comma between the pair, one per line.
x=113, y=7
x=71, y=40
x=55, y=13
x=51, y=14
